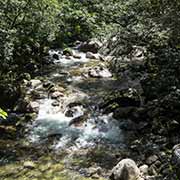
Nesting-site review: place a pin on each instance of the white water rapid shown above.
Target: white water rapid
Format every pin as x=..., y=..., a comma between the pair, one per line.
x=52, y=121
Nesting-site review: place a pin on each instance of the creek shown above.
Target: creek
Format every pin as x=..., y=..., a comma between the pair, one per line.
x=71, y=137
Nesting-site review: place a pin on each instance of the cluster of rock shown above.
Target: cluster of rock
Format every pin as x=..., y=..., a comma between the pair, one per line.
x=36, y=90
x=127, y=169
x=147, y=147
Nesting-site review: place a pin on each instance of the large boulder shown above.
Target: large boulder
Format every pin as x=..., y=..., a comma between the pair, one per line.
x=91, y=46
x=126, y=169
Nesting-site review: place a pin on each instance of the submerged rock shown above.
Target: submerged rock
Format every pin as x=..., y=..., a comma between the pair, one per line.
x=56, y=56
x=78, y=121
x=126, y=170
x=55, y=103
x=90, y=55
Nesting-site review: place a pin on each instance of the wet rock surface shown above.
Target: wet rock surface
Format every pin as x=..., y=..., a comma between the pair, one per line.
x=126, y=170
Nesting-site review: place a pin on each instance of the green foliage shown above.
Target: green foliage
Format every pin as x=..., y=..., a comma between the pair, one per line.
x=25, y=27
x=3, y=114
x=28, y=27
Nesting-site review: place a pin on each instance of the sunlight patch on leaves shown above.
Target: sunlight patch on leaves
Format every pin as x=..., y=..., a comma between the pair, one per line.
x=3, y=114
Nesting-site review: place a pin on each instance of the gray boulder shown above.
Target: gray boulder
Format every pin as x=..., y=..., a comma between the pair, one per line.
x=91, y=46
x=126, y=169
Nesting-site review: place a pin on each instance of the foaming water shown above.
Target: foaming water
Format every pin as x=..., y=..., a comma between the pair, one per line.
x=96, y=129
x=85, y=127
x=63, y=60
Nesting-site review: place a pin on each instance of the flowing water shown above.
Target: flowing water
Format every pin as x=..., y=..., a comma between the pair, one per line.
x=96, y=128
x=70, y=134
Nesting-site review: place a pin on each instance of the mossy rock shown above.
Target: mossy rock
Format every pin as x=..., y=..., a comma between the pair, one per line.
x=68, y=52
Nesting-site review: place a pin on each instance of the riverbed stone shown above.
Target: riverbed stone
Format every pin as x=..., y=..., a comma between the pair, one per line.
x=153, y=170
x=78, y=121
x=56, y=95
x=99, y=72
x=35, y=82
x=48, y=84
x=76, y=56
x=21, y=105
x=29, y=165
x=152, y=159
x=144, y=169
x=25, y=76
x=90, y=55
x=36, y=94
x=55, y=103
x=93, y=73
x=33, y=107
x=123, y=112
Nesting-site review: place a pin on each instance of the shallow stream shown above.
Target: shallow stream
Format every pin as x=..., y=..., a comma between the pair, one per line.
x=70, y=131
